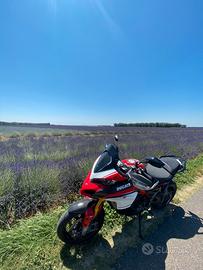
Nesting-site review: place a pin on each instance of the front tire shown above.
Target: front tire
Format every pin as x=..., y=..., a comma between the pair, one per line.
x=69, y=227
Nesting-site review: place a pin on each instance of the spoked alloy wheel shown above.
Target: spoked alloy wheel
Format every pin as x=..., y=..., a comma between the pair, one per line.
x=160, y=202
x=70, y=229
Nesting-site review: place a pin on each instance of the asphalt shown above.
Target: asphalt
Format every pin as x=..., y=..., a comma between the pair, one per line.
x=176, y=244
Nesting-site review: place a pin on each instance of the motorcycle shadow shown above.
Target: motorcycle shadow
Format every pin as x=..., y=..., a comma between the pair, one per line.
x=100, y=253
x=153, y=251
x=86, y=256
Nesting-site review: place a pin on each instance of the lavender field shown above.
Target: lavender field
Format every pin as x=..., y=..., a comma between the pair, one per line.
x=41, y=170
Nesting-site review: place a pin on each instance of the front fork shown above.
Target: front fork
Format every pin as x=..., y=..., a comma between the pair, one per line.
x=90, y=214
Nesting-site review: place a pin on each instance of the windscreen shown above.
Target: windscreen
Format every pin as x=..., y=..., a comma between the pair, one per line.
x=104, y=163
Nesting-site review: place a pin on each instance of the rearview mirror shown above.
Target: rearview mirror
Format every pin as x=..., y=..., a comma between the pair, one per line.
x=116, y=138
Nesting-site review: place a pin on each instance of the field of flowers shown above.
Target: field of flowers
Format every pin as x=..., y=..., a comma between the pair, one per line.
x=43, y=169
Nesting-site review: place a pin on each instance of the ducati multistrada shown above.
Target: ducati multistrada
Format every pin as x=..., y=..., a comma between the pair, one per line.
x=129, y=186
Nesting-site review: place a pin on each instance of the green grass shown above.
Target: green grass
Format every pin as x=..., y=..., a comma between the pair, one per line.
x=194, y=169
x=32, y=243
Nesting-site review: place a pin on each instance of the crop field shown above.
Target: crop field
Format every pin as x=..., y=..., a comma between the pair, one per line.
x=15, y=131
x=40, y=168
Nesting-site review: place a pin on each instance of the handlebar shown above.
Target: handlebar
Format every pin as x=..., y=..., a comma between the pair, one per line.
x=124, y=169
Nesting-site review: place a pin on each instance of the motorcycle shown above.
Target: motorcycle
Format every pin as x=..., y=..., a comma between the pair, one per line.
x=130, y=186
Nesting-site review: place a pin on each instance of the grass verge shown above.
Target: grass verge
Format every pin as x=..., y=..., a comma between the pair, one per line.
x=32, y=243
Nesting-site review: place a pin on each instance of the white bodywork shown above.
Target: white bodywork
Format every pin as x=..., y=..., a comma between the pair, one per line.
x=124, y=201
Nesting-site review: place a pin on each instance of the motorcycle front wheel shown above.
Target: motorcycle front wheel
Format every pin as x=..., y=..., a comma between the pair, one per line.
x=69, y=228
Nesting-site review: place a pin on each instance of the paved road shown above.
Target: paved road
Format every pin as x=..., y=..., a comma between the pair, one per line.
x=176, y=244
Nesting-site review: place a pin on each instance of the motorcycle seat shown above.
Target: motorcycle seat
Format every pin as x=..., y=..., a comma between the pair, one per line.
x=158, y=173
x=173, y=164
x=165, y=173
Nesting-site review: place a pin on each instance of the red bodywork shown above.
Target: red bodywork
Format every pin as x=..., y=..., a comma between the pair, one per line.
x=88, y=187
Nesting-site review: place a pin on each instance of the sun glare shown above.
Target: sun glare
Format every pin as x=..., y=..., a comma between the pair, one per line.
x=114, y=27
x=53, y=5
x=111, y=23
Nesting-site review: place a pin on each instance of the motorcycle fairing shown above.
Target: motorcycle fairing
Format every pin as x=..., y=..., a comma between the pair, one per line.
x=98, y=189
x=123, y=202
x=104, y=168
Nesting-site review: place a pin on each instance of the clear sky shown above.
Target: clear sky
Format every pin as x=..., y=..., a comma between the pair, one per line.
x=101, y=61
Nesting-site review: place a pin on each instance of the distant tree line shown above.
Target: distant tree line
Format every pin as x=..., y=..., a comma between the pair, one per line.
x=157, y=124
x=24, y=124
x=44, y=125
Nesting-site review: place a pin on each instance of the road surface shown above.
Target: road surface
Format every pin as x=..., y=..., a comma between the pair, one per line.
x=176, y=244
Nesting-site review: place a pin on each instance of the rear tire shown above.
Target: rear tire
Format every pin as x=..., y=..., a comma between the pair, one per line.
x=159, y=202
x=73, y=234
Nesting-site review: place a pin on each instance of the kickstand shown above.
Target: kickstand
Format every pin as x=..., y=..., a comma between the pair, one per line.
x=140, y=225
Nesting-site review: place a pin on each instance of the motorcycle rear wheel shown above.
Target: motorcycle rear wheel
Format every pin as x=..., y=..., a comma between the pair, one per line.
x=159, y=202
x=69, y=228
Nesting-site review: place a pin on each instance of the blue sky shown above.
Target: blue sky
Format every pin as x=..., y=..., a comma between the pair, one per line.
x=101, y=61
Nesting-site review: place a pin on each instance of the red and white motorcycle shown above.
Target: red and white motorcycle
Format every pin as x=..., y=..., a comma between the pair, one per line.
x=129, y=186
